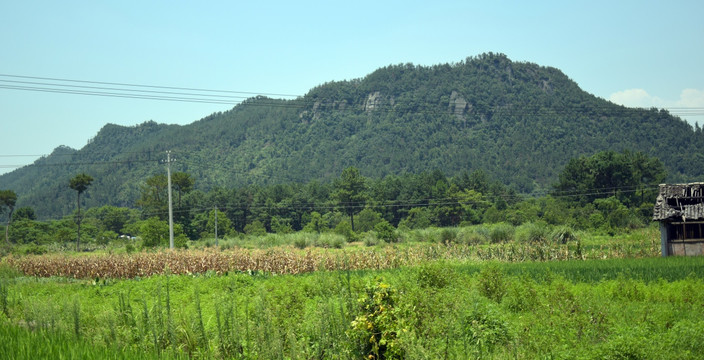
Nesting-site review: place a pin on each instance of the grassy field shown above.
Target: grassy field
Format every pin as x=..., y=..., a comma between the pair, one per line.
x=617, y=308
x=435, y=294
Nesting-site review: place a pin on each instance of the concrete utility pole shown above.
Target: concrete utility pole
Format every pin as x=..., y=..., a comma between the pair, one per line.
x=216, y=226
x=171, y=208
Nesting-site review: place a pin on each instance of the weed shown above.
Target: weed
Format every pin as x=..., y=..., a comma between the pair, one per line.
x=377, y=328
x=492, y=283
x=501, y=233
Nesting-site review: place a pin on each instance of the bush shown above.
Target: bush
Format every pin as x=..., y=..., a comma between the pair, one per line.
x=255, y=228
x=475, y=235
x=370, y=239
x=418, y=218
x=367, y=219
x=563, y=235
x=154, y=232
x=317, y=223
x=329, y=240
x=301, y=241
x=533, y=233
x=345, y=229
x=447, y=236
x=33, y=249
x=485, y=328
x=385, y=231
x=492, y=283
x=377, y=328
x=501, y=233
x=434, y=275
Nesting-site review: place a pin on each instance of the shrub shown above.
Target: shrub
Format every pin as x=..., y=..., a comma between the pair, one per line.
x=484, y=327
x=255, y=228
x=367, y=219
x=447, y=236
x=533, y=233
x=418, y=218
x=154, y=232
x=33, y=249
x=370, y=239
x=300, y=241
x=434, y=275
x=328, y=240
x=317, y=223
x=492, y=283
x=385, y=231
x=345, y=229
x=563, y=235
x=474, y=235
x=377, y=328
x=502, y=232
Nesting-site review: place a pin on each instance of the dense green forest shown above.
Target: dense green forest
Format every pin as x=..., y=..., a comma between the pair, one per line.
x=607, y=192
x=517, y=123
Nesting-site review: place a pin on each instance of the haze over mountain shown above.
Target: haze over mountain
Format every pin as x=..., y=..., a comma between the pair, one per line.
x=519, y=122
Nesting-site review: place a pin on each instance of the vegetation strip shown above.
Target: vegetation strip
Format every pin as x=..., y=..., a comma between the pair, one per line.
x=438, y=309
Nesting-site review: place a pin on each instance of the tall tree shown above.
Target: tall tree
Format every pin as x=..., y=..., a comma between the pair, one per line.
x=181, y=182
x=153, y=199
x=350, y=192
x=8, y=198
x=79, y=183
x=624, y=175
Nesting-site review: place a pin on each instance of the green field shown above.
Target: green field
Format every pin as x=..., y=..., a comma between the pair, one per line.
x=648, y=308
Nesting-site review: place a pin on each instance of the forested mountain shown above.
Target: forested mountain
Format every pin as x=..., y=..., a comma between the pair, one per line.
x=518, y=122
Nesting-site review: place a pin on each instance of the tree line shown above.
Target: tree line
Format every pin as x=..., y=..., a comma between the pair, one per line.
x=608, y=191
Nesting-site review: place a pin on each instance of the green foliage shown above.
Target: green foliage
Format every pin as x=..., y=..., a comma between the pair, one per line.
x=627, y=176
x=484, y=327
x=155, y=232
x=80, y=182
x=106, y=237
x=316, y=224
x=378, y=328
x=204, y=224
x=492, y=283
x=8, y=198
x=434, y=275
x=367, y=219
x=564, y=234
x=385, y=231
x=24, y=213
x=345, y=229
x=595, y=309
x=281, y=225
x=418, y=218
x=533, y=233
x=459, y=117
x=350, y=192
x=501, y=232
x=256, y=228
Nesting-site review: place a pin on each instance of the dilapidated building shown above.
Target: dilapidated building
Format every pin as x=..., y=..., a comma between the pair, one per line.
x=680, y=210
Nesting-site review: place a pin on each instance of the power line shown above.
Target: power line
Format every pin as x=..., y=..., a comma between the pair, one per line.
x=142, y=86
x=199, y=95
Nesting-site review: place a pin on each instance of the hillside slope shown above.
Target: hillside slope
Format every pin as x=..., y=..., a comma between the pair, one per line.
x=519, y=122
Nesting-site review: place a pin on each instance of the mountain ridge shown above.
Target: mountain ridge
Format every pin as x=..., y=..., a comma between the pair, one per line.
x=517, y=121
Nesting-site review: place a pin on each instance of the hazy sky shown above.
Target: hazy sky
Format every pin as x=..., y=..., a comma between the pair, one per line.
x=637, y=53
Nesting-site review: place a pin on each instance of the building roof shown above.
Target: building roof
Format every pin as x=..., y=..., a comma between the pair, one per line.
x=680, y=202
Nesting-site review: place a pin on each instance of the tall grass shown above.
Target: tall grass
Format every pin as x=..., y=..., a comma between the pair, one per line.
x=441, y=309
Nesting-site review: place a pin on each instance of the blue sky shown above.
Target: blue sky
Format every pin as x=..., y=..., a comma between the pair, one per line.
x=637, y=53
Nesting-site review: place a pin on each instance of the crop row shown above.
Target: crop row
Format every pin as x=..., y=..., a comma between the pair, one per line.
x=287, y=260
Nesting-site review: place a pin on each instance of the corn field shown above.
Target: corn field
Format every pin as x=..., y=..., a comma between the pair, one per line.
x=289, y=260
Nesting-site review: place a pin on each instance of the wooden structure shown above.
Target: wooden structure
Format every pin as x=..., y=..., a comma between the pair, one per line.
x=680, y=210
